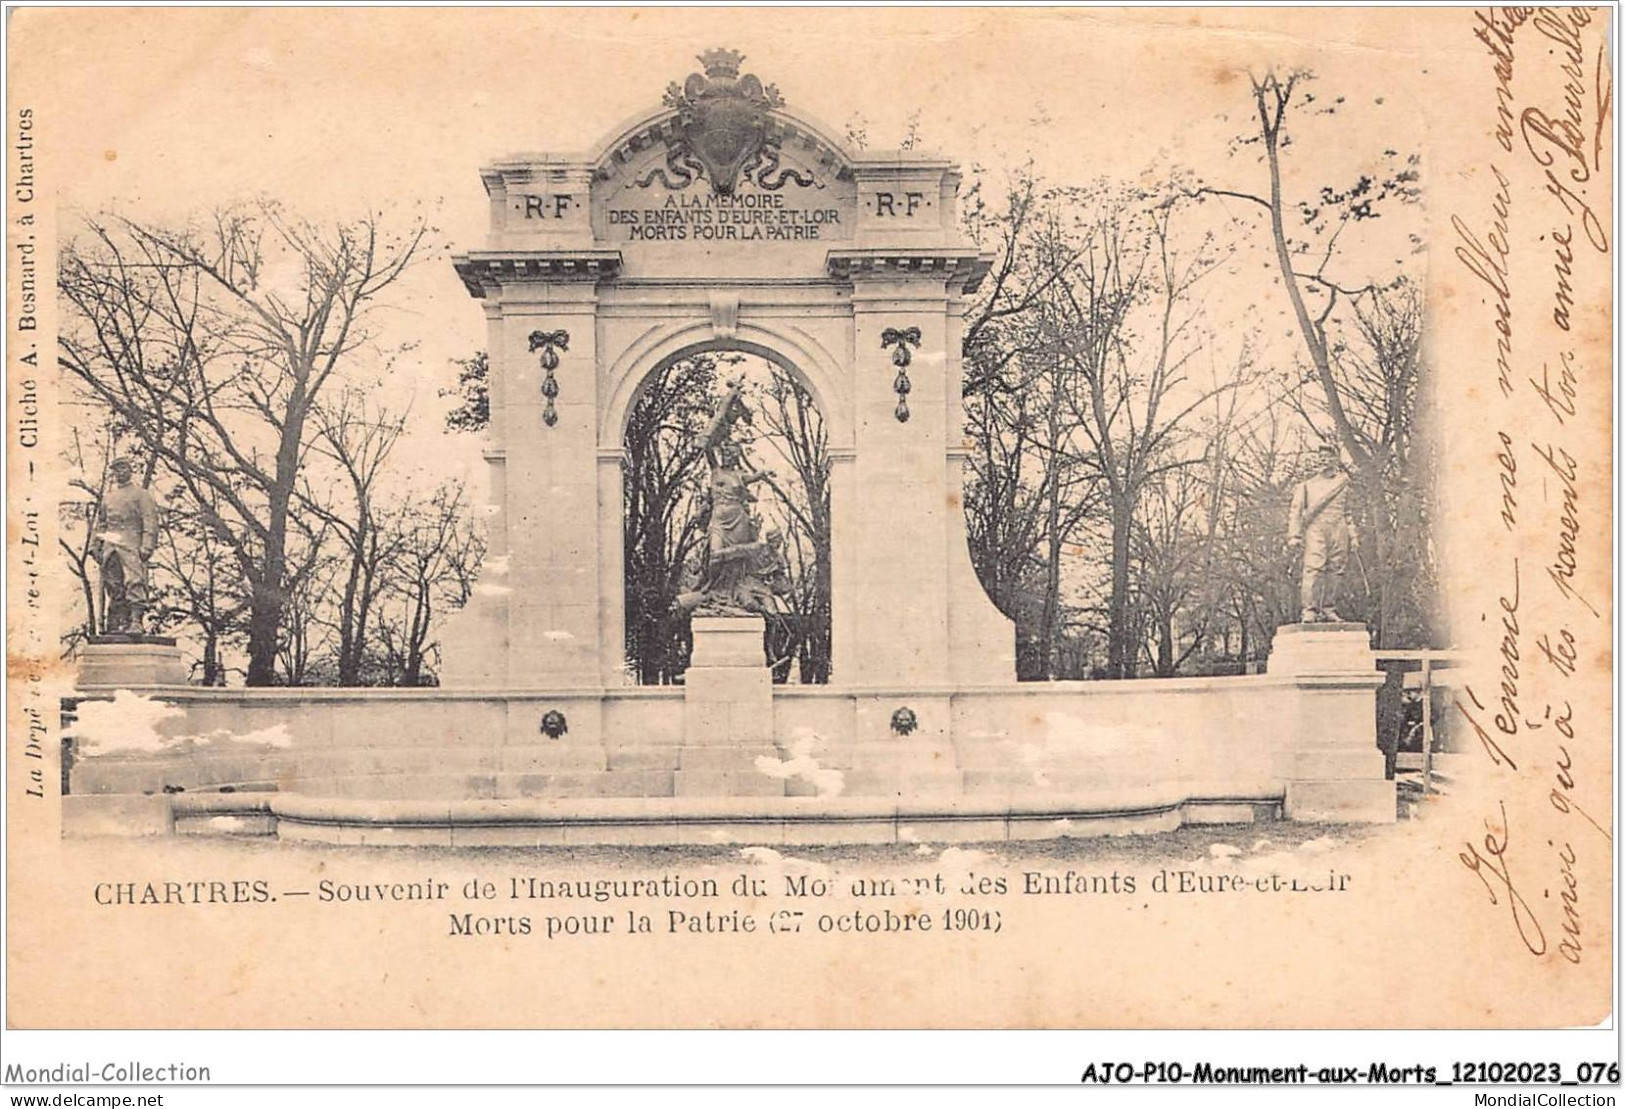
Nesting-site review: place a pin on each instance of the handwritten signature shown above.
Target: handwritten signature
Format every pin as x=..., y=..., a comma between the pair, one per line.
x=1492, y=862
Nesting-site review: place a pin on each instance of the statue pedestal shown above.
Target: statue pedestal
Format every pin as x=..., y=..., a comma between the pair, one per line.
x=1330, y=762
x=123, y=659
x=1340, y=648
x=727, y=712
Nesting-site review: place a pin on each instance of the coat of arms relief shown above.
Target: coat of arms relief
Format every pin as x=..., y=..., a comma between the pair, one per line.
x=723, y=132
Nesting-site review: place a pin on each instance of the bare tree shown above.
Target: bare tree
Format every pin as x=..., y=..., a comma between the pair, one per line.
x=1173, y=545
x=200, y=589
x=663, y=479
x=305, y=646
x=1030, y=487
x=793, y=431
x=1029, y=493
x=1378, y=370
x=1305, y=266
x=87, y=455
x=1306, y=270
x=357, y=435
x=1265, y=461
x=433, y=561
x=1362, y=336
x=1027, y=264
x=213, y=344
x=1132, y=397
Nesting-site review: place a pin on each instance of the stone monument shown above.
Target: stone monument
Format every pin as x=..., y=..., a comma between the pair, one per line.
x=1318, y=526
x=125, y=537
x=728, y=689
x=1333, y=770
x=724, y=221
x=743, y=571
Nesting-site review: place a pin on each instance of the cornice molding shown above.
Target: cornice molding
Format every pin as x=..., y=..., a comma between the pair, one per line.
x=484, y=270
x=964, y=268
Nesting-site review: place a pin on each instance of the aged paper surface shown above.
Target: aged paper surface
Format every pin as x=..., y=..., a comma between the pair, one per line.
x=1490, y=905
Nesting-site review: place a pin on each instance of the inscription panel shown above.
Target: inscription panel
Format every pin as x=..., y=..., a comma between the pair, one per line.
x=700, y=215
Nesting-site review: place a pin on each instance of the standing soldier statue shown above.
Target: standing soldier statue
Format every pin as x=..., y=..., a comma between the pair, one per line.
x=126, y=537
x=1318, y=525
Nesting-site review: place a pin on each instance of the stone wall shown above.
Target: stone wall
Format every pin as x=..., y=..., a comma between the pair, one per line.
x=1090, y=745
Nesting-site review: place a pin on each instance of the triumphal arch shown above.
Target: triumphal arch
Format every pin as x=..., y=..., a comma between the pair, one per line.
x=725, y=220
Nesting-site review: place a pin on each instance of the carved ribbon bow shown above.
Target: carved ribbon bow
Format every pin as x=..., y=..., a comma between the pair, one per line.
x=550, y=343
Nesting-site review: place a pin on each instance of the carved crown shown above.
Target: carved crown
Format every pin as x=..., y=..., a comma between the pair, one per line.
x=721, y=62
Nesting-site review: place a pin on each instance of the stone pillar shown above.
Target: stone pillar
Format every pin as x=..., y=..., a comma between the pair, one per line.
x=898, y=524
x=727, y=712
x=611, y=567
x=552, y=487
x=1329, y=761
x=534, y=620
x=843, y=573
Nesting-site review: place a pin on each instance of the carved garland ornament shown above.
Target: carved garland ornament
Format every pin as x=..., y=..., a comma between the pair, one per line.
x=722, y=132
x=550, y=343
x=902, y=339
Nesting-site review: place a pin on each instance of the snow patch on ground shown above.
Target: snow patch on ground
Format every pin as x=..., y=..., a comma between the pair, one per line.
x=775, y=865
x=956, y=864
x=1265, y=857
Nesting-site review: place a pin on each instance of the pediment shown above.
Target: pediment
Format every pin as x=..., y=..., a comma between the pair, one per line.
x=725, y=129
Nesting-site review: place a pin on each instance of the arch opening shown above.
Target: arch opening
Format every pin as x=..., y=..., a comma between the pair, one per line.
x=775, y=500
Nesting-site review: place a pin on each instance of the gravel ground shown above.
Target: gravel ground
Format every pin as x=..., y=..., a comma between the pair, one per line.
x=1184, y=845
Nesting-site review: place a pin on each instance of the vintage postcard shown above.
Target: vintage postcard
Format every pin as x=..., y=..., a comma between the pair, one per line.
x=812, y=518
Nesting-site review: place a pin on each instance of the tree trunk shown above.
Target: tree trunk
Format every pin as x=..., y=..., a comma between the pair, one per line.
x=1052, y=602
x=820, y=634
x=1391, y=697
x=268, y=598
x=211, y=659
x=92, y=626
x=349, y=667
x=1051, y=618
x=1165, y=646
x=1119, y=648
x=264, y=623
x=412, y=673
